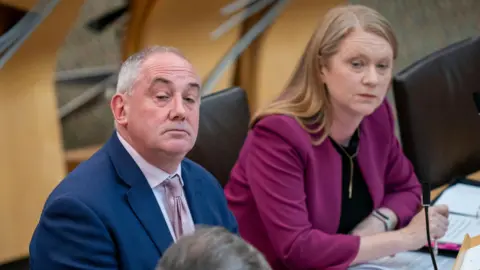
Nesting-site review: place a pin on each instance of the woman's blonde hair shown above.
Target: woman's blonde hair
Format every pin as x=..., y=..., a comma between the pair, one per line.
x=305, y=96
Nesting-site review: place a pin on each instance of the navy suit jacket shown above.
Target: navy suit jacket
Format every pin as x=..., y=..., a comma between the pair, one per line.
x=104, y=215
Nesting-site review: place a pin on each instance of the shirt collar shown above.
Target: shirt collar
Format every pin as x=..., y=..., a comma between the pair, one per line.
x=154, y=175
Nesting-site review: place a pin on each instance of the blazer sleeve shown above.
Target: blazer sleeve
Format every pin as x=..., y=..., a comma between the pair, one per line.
x=402, y=188
x=71, y=236
x=275, y=171
x=229, y=221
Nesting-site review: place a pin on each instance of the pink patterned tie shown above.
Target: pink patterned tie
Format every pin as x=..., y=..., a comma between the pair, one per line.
x=176, y=209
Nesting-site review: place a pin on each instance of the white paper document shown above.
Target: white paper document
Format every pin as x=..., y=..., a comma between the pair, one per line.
x=471, y=261
x=407, y=261
x=462, y=199
x=464, y=205
x=458, y=227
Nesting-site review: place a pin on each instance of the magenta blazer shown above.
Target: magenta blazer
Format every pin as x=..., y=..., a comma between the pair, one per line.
x=286, y=193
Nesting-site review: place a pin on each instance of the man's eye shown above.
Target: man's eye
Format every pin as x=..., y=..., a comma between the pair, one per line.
x=383, y=66
x=189, y=100
x=162, y=97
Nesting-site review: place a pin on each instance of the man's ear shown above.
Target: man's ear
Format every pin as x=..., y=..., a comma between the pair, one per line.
x=119, y=107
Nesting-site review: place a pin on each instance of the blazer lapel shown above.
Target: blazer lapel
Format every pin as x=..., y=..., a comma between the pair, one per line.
x=368, y=164
x=140, y=196
x=146, y=208
x=193, y=194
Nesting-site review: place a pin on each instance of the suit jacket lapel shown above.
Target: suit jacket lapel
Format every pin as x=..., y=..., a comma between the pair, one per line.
x=193, y=194
x=140, y=196
x=146, y=208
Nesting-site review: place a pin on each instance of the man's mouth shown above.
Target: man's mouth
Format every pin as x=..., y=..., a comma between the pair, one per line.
x=176, y=131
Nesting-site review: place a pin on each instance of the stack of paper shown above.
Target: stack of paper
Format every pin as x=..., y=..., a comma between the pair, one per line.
x=471, y=261
x=462, y=199
x=464, y=205
x=407, y=261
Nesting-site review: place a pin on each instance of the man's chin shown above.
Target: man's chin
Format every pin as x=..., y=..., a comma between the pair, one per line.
x=177, y=148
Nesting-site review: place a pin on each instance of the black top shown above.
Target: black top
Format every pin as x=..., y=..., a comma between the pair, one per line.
x=357, y=207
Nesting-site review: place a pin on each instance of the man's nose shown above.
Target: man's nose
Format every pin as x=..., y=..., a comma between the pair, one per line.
x=177, y=111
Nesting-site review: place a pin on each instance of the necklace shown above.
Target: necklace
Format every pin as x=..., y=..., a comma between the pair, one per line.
x=350, y=159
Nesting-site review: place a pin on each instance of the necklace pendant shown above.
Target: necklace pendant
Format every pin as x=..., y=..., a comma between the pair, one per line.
x=350, y=191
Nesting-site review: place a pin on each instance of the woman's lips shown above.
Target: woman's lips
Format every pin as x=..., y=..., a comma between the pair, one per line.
x=367, y=95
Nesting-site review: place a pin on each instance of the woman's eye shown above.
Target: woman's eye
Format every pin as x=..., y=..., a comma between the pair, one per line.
x=357, y=64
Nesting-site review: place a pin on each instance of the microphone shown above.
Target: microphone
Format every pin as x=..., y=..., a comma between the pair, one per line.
x=426, y=205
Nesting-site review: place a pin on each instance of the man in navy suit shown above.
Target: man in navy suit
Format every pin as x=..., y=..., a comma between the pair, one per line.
x=122, y=208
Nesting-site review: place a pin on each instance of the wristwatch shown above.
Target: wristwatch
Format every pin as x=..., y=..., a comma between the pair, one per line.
x=385, y=219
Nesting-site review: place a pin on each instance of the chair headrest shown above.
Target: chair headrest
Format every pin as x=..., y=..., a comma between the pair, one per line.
x=224, y=120
x=438, y=119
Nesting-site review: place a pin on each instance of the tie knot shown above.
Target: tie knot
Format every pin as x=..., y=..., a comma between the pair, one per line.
x=173, y=185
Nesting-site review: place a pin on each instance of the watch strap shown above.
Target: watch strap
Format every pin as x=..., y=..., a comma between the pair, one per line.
x=384, y=218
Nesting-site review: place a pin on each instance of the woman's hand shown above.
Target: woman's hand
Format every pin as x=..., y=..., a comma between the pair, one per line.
x=416, y=232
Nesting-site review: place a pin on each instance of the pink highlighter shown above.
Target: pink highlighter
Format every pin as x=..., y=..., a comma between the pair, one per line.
x=449, y=246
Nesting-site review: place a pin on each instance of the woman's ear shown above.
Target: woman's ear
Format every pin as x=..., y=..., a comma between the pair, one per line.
x=323, y=71
x=321, y=67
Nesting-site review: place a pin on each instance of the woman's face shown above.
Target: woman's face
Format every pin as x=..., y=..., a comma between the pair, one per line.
x=359, y=74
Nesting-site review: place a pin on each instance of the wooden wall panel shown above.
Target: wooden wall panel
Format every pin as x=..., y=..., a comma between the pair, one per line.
x=20, y=4
x=187, y=27
x=263, y=68
x=247, y=65
x=280, y=47
x=139, y=11
x=31, y=156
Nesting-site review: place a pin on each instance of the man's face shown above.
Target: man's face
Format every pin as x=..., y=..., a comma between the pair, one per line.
x=162, y=112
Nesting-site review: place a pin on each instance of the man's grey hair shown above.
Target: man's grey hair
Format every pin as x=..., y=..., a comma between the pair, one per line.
x=130, y=68
x=212, y=248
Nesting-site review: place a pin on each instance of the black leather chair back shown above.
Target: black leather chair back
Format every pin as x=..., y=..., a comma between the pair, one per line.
x=18, y=264
x=439, y=122
x=224, y=120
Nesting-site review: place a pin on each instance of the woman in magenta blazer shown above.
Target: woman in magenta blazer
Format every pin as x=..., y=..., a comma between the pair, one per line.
x=322, y=182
